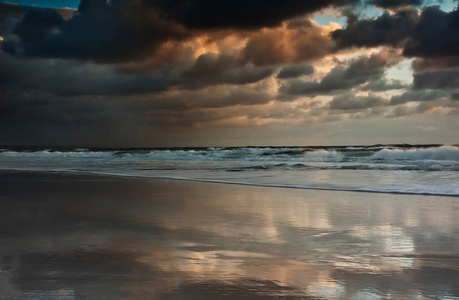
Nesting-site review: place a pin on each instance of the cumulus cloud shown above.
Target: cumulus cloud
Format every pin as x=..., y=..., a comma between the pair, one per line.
x=9, y=10
x=437, y=79
x=212, y=97
x=421, y=95
x=422, y=64
x=293, y=71
x=123, y=30
x=349, y=101
x=436, y=34
x=387, y=29
x=116, y=67
x=241, y=14
x=361, y=70
x=119, y=31
x=71, y=77
x=296, y=41
x=395, y=3
x=211, y=69
x=382, y=84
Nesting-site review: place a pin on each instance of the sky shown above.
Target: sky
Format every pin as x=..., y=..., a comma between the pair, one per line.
x=176, y=73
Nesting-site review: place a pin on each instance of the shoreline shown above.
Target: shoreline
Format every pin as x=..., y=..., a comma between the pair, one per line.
x=79, y=236
x=88, y=173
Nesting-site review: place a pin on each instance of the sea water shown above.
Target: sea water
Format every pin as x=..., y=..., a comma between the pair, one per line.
x=411, y=169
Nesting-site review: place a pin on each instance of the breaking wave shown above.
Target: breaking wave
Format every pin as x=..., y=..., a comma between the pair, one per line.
x=441, y=153
x=422, y=169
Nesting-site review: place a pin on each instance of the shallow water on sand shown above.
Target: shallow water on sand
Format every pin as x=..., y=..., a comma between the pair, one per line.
x=93, y=237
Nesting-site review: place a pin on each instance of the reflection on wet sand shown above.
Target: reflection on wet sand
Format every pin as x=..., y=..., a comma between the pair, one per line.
x=93, y=237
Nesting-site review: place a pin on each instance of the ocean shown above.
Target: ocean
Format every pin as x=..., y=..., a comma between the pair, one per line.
x=405, y=169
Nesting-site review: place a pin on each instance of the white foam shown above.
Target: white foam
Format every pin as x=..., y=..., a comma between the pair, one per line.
x=423, y=170
x=323, y=155
x=450, y=153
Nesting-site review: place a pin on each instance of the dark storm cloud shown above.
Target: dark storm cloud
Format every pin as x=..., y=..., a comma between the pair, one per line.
x=436, y=34
x=362, y=70
x=395, y=3
x=121, y=31
x=438, y=79
x=68, y=77
x=10, y=15
x=422, y=64
x=349, y=101
x=71, y=77
x=241, y=14
x=293, y=71
x=387, y=29
x=8, y=10
x=49, y=100
x=210, y=98
x=211, y=69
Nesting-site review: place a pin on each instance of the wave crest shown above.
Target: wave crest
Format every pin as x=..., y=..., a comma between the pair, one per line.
x=450, y=153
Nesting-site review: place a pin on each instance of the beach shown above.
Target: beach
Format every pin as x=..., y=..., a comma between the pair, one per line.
x=79, y=236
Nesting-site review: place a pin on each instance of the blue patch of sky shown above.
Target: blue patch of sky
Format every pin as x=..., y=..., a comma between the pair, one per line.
x=370, y=11
x=401, y=71
x=324, y=20
x=46, y=3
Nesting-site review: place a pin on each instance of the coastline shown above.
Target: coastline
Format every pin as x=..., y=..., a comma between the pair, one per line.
x=72, y=236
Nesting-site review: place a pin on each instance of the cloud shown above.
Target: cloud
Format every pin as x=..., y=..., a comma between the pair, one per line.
x=297, y=40
x=241, y=14
x=390, y=4
x=422, y=64
x=436, y=34
x=212, y=97
x=170, y=65
x=439, y=105
x=387, y=29
x=121, y=31
x=9, y=10
x=438, y=79
x=294, y=71
x=10, y=15
x=72, y=77
x=210, y=69
x=382, y=84
x=349, y=101
x=361, y=70
x=73, y=97
x=421, y=95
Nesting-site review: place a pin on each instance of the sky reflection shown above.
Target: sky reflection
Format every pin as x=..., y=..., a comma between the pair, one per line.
x=87, y=237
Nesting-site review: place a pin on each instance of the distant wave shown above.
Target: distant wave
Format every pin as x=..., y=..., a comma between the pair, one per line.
x=294, y=154
x=439, y=153
x=419, y=169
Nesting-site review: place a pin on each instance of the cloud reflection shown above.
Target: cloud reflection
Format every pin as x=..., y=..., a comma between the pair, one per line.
x=137, y=239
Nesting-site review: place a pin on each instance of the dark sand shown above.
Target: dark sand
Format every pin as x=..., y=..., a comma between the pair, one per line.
x=95, y=237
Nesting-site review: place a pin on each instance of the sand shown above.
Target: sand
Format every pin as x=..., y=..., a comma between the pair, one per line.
x=97, y=237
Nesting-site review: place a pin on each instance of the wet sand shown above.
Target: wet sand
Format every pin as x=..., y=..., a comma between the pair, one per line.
x=97, y=237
